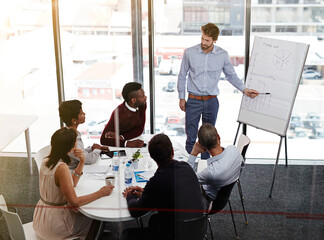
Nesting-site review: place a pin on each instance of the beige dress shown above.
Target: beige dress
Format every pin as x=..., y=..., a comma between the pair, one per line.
x=53, y=218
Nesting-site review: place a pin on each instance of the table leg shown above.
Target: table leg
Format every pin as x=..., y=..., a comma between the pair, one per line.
x=29, y=151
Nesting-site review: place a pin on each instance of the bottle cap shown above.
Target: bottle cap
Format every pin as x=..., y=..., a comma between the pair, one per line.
x=115, y=153
x=127, y=164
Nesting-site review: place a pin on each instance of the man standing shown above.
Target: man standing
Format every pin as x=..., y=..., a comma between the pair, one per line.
x=131, y=118
x=203, y=63
x=173, y=191
x=223, y=167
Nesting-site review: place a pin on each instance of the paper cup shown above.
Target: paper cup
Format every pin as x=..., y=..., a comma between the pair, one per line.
x=110, y=180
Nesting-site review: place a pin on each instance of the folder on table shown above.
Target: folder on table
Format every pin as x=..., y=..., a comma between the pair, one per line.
x=143, y=176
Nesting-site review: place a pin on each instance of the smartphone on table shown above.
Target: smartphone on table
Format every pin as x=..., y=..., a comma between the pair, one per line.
x=121, y=153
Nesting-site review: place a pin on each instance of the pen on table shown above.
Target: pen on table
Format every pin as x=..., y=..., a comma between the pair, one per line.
x=139, y=175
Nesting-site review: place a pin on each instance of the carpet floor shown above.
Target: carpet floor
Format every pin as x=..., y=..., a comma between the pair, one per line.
x=295, y=211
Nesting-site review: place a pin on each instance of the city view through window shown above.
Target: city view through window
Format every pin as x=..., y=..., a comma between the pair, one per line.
x=96, y=45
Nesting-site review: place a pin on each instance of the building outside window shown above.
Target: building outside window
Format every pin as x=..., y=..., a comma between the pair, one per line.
x=99, y=63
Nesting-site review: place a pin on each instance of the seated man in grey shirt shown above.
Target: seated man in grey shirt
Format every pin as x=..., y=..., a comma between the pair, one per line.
x=223, y=167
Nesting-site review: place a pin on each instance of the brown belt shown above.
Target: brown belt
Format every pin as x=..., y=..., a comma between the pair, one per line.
x=202, y=98
x=53, y=204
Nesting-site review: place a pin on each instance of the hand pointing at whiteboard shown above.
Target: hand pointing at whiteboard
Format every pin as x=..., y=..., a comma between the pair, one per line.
x=250, y=92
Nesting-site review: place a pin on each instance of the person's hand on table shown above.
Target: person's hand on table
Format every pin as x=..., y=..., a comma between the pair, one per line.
x=106, y=190
x=96, y=146
x=182, y=104
x=133, y=190
x=252, y=93
x=105, y=148
x=111, y=134
x=135, y=143
x=79, y=154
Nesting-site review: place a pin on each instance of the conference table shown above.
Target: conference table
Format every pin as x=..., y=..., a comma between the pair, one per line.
x=113, y=208
x=11, y=126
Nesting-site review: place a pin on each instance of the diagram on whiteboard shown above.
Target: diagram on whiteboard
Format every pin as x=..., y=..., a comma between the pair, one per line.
x=267, y=74
x=260, y=104
x=283, y=59
x=275, y=69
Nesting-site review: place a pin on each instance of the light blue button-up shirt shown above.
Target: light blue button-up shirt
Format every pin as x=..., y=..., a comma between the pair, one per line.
x=221, y=170
x=204, y=71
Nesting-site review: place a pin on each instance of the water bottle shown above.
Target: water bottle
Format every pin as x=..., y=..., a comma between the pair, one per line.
x=131, y=165
x=115, y=163
x=128, y=175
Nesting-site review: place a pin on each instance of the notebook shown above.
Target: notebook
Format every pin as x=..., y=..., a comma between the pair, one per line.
x=143, y=176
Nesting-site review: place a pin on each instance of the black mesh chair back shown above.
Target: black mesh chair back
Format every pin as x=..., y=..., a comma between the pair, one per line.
x=193, y=229
x=219, y=203
x=222, y=198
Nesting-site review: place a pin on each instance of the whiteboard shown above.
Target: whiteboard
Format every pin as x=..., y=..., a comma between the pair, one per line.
x=275, y=70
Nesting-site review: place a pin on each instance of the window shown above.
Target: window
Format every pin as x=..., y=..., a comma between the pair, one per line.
x=229, y=18
x=288, y=1
x=261, y=29
x=299, y=23
x=98, y=62
x=313, y=14
x=261, y=15
x=286, y=29
x=286, y=15
x=27, y=75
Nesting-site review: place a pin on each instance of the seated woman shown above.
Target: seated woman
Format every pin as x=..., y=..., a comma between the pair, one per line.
x=56, y=215
x=72, y=115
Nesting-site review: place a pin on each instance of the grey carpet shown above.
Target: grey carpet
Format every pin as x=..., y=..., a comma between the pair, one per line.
x=19, y=188
x=295, y=211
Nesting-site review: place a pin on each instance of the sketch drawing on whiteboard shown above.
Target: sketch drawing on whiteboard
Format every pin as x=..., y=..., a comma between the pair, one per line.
x=275, y=68
x=262, y=102
x=253, y=74
x=283, y=59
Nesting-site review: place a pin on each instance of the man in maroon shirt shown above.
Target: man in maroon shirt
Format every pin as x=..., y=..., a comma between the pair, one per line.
x=131, y=118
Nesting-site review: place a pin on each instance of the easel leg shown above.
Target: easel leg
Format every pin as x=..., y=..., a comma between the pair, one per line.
x=286, y=154
x=238, y=129
x=275, y=168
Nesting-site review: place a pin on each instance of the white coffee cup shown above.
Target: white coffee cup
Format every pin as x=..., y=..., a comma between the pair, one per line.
x=110, y=180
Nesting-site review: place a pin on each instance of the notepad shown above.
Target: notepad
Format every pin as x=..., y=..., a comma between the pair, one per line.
x=143, y=176
x=96, y=169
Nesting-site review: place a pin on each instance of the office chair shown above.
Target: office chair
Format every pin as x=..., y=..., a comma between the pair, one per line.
x=219, y=203
x=193, y=229
x=16, y=229
x=39, y=157
x=242, y=145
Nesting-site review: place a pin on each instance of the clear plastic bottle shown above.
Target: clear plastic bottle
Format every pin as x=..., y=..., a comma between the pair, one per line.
x=128, y=174
x=115, y=163
x=131, y=164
